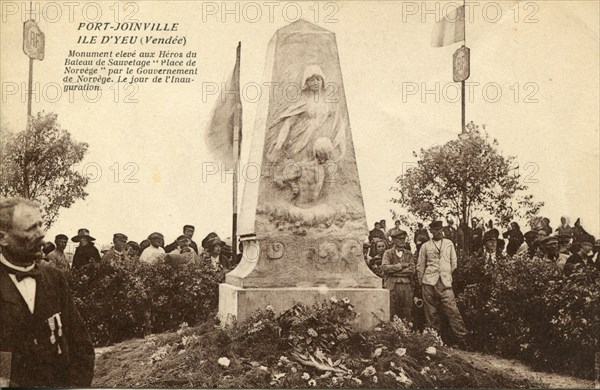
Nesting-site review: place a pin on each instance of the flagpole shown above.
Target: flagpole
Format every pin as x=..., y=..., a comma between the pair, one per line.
x=462, y=83
x=237, y=128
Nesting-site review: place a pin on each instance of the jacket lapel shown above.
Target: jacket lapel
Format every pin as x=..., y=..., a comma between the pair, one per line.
x=8, y=290
x=12, y=300
x=45, y=299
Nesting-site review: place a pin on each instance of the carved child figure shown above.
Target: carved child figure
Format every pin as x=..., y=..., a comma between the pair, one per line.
x=306, y=179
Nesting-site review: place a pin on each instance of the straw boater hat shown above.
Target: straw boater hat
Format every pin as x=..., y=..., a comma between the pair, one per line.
x=81, y=233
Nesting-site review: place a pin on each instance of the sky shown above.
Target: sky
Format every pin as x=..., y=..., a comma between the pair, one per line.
x=534, y=81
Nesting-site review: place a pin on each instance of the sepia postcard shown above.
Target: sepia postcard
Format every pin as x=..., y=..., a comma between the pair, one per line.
x=283, y=171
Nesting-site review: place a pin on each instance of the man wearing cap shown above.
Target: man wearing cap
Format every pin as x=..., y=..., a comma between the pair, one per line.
x=437, y=260
x=490, y=246
x=529, y=246
x=421, y=236
x=398, y=267
x=564, y=251
x=581, y=257
x=183, y=245
x=188, y=231
x=57, y=257
x=155, y=250
x=86, y=252
x=117, y=255
x=449, y=230
x=549, y=254
x=43, y=340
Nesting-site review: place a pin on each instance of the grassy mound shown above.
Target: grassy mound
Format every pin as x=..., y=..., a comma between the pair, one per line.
x=302, y=347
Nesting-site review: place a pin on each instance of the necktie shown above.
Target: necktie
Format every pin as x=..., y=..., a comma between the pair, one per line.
x=20, y=275
x=34, y=273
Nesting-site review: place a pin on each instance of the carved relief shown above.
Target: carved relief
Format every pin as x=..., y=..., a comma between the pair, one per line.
x=324, y=257
x=275, y=250
x=351, y=255
x=296, y=127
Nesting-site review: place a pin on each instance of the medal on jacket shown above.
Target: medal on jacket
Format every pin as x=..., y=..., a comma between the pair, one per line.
x=52, y=323
x=59, y=322
x=52, y=326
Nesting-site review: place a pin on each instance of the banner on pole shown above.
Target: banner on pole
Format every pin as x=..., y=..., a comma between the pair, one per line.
x=33, y=40
x=462, y=64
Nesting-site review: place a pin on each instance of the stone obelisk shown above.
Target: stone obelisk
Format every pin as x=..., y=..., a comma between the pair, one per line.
x=302, y=221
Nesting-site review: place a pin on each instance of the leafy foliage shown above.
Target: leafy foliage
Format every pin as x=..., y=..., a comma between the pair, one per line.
x=462, y=177
x=519, y=308
x=37, y=164
x=121, y=301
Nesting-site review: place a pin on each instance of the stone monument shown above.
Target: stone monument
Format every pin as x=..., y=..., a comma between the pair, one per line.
x=302, y=222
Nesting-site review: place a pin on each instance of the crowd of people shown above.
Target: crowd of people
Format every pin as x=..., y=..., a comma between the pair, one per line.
x=390, y=255
x=123, y=251
x=46, y=341
x=564, y=246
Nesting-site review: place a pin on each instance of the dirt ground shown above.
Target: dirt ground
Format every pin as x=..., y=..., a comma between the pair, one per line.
x=519, y=369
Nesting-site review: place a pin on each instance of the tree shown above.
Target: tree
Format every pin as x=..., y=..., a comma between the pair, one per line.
x=37, y=164
x=462, y=177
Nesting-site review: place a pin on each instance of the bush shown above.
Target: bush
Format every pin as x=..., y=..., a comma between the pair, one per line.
x=122, y=301
x=519, y=308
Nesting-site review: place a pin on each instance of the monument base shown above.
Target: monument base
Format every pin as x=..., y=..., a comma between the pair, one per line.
x=373, y=304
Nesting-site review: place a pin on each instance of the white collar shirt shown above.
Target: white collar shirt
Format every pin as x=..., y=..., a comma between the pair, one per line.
x=27, y=286
x=151, y=254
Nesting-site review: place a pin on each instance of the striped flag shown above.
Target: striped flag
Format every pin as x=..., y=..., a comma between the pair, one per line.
x=226, y=120
x=449, y=30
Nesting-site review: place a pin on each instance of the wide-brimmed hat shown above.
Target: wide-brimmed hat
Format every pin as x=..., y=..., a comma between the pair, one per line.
x=213, y=241
x=81, y=233
x=204, y=242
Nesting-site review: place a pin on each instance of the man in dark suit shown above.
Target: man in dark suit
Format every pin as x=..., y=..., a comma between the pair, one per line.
x=580, y=257
x=188, y=231
x=43, y=340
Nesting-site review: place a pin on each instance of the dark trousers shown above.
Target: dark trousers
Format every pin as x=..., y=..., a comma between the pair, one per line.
x=401, y=300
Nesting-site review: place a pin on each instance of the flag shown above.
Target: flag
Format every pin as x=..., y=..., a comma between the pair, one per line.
x=226, y=120
x=449, y=30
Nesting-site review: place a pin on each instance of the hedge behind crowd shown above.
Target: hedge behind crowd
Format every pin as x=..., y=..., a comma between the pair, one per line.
x=118, y=302
x=521, y=309
x=516, y=308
